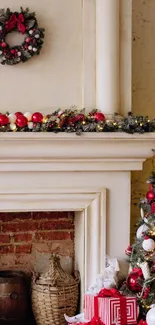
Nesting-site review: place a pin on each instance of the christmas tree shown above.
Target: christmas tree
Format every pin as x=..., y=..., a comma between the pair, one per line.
x=141, y=276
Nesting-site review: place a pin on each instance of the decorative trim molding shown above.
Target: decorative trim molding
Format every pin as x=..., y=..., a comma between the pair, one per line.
x=69, y=152
x=90, y=222
x=89, y=54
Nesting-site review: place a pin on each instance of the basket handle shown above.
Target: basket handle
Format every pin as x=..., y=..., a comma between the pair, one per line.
x=34, y=277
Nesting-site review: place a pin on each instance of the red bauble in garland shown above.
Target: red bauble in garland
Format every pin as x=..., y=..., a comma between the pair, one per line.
x=37, y=117
x=21, y=121
x=132, y=280
x=150, y=195
x=62, y=122
x=3, y=120
x=76, y=118
x=71, y=121
x=18, y=114
x=99, y=117
x=79, y=117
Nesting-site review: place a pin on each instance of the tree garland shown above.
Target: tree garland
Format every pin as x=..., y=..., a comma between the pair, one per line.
x=73, y=120
x=23, y=22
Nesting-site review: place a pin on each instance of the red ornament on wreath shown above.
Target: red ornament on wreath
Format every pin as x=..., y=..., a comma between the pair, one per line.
x=21, y=121
x=3, y=44
x=132, y=280
x=37, y=117
x=98, y=116
x=3, y=120
x=28, y=40
x=150, y=195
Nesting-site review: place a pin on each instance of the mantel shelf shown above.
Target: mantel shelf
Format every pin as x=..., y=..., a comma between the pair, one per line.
x=63, y=151
x=50, y=136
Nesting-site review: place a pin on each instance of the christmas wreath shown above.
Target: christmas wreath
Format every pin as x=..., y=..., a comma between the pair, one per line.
x=74, y=120
x=23, y=22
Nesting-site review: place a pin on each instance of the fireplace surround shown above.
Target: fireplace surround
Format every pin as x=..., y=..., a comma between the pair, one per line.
x=87, y=174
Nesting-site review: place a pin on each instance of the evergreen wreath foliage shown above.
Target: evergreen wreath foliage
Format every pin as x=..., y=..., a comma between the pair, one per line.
x=24, y=22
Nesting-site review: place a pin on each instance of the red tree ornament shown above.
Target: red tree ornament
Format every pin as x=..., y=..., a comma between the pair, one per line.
x=150, y=195
x=3, y=120
x=132, y=280
x=153, y=267
x=142, y=322
x=99, y=117
x=153, y=207
x=37, y=117
x=146, y=292
x=128, y=250
x=21, y=121
x=150, y=187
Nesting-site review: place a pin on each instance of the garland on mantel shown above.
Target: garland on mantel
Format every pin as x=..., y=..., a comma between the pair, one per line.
x=73, y=120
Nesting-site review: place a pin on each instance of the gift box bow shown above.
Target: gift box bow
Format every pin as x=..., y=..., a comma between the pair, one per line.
x=105, y=293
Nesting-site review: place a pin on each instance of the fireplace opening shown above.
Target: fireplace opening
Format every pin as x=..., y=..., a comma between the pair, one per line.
x=27, y=239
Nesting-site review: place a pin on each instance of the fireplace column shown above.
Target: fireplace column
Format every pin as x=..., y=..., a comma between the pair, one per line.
x=107, y=55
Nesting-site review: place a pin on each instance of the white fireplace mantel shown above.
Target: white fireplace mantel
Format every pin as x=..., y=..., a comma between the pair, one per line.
x=88, y=174
x=69, y=152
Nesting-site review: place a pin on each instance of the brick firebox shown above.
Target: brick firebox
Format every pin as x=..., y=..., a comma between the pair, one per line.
x=27, y=239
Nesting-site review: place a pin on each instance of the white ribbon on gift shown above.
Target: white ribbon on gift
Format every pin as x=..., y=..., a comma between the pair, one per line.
x=76, y=319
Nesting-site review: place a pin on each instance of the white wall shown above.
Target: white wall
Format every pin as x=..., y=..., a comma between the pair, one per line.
x=55, y=78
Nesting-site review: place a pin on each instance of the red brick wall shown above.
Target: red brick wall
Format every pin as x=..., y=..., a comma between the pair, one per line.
x=28, y=239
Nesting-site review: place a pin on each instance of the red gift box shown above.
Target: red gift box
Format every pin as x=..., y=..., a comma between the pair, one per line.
x=111, y=307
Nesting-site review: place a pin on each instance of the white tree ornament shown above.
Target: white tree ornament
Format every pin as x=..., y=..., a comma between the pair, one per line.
x=150, y=317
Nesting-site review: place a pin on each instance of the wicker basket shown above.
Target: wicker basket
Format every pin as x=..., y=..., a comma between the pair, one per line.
x=54, y=294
